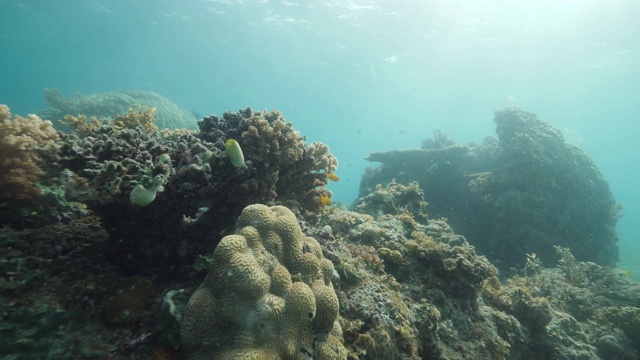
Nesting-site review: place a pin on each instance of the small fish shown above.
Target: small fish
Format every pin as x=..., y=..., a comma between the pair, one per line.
x=140, y=196
x=620, y=271
x=326, y=201
x=234, y=152
x=164, y=158
x=331, y=176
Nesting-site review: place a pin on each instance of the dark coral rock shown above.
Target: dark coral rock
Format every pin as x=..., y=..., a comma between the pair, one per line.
x=200, y=193
x=126, y=302
x=528, y=190
x=280, y=165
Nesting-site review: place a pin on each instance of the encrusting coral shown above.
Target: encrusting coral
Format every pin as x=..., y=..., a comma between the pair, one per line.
x=268, y=295
x=20, y=139
x=412, y=289
x=395, y=198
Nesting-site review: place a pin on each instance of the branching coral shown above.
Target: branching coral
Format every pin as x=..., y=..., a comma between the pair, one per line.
x=281, y=167
x=20, y=138
x=394, y=199
x=83, y=125
x=143, y=118
x=110, y=158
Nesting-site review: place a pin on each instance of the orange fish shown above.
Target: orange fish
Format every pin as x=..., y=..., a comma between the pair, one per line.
x=331, y=176
x=326, y=201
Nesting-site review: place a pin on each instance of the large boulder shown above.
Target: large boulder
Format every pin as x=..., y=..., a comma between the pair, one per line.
x=523, y=192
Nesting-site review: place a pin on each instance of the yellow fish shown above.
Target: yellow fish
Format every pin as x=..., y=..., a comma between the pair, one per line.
x=331, y=176
x=326, y=201
x=620, y=271
x=234, y=152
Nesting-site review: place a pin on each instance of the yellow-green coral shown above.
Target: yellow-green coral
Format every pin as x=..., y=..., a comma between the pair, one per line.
x=84, y=126
x=268, y=295
x=142, y=118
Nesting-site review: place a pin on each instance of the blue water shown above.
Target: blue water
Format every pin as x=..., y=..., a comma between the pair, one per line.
x=358, y=75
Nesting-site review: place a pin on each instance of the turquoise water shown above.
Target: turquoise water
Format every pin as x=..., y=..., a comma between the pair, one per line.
x=361, y=76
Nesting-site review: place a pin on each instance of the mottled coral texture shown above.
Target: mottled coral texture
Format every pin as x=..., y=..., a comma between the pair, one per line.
x=280, y=165
x=20, y=139
x=103, y=159
x=268, y=295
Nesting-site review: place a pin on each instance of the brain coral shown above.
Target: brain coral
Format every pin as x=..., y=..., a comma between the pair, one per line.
x=268, y=295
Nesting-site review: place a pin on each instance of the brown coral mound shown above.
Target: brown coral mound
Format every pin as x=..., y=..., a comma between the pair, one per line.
x=20, y=138
x=268, y=295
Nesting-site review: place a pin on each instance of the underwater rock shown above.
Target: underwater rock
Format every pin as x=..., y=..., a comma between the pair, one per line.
x=412, y=290
x=126, y=302
x=526, y=191
x=107, y=104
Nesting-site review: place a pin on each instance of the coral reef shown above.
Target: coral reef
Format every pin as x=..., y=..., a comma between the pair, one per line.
x=280, y=165
x=196, y=192
x=268, y=295
x=410, y=289
x=53, y=281
x=394, y=198
x=432, y=306
x=407, y=290
x=529, y=190
x=105, y=105
x=434, y=297
x=89, y=271
x=20, y=141
x=579, y=310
